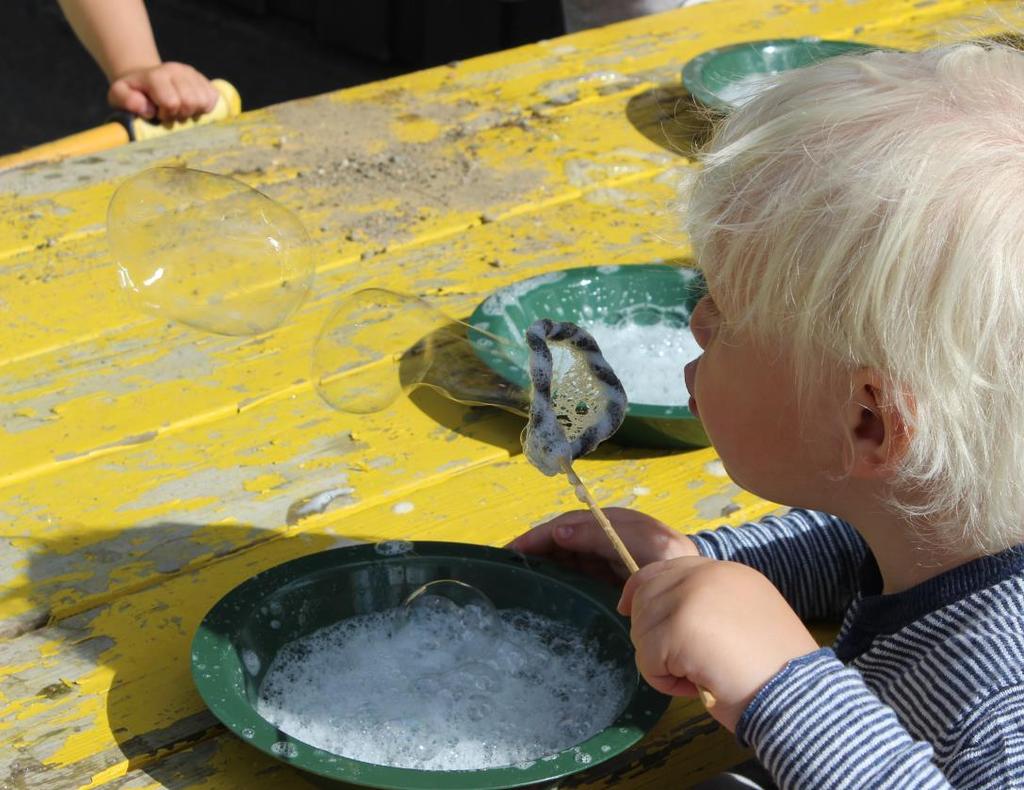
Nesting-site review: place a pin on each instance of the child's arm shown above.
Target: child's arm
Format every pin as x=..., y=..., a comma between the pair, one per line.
x=812, y=721
x=812, y=558
x=118, y=35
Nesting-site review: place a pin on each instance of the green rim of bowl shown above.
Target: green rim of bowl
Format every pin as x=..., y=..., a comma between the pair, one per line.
x=706, y=75
x=509, y=311
x=226, y=685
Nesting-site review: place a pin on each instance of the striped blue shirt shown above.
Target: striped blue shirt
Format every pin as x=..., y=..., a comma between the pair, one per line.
x=921, y=689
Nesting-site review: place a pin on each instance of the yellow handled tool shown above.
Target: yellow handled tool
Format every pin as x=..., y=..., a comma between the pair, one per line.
x=122, y=131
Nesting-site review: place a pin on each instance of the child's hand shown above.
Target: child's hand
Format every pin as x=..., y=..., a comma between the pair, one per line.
x=576, y=540
x=718, y=625
x=169, y=92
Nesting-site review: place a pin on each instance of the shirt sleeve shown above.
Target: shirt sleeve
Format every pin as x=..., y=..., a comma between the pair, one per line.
x=859, y=742
x=817, y=725
x=812, y=558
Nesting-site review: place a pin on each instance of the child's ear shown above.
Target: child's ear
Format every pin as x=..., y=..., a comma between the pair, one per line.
x=878, y=432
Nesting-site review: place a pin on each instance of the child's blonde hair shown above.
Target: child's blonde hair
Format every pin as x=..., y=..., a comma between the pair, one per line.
x=870, y=210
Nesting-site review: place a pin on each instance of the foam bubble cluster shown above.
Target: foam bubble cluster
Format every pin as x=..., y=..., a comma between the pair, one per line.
x=392, y=548
x=443, y=690
x=648, y=360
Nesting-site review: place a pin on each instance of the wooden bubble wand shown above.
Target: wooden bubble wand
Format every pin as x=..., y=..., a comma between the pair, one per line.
x=587, y=408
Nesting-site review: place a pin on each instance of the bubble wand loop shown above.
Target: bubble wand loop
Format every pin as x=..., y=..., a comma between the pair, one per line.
x=586, y=408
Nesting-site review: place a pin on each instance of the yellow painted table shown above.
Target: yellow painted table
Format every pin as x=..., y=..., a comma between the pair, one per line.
x=146, y=468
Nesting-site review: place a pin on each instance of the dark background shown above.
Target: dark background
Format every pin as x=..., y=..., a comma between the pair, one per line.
x=271, y=50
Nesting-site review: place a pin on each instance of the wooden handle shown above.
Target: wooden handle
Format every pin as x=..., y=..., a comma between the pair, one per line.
x=602, y=519
x=706, y=697
x=583, y=493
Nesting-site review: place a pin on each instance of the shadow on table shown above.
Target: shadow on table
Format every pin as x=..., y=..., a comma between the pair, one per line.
x=449, y=383
x=669, y=117
x=100, y=639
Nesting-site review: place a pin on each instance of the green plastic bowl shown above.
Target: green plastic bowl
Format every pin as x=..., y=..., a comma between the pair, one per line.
x=721, y=78
x=246, y=628
x=647, y=293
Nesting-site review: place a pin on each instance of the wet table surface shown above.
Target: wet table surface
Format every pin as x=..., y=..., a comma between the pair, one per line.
x=147, y=468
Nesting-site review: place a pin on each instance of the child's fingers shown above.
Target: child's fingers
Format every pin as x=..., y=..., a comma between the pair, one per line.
x=644, y=579
x=541, y=539
x=672, y=686
x=124, y=97
x=162, y=92
x=191, y=87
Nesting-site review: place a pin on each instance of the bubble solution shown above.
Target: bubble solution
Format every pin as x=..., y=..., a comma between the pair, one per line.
x=648, y=360
x=443, y=689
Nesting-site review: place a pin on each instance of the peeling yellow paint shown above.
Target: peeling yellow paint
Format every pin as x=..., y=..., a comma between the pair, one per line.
x=148, y=468
x=412, y=128
x=264, y=483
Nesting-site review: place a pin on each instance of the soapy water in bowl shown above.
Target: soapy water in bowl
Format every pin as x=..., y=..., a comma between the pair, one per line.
x=648, y=359
x=444, y=684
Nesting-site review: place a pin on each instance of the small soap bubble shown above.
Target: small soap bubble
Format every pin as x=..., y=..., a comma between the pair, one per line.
x=475, y=621
x=251, y=661
x=248, y=732
x=583, y=758
x=428, y=684
x=275, y=624
x=478, y=707
x=573, y=728
x=208, y=251
x=392, y=548
x=481, y=676
x=285, y=749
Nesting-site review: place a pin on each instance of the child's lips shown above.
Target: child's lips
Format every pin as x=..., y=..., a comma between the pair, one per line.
x=689, y=376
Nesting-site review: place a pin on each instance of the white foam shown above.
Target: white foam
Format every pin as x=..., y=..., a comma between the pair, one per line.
x=648, y=360
x=401, y=508
x=437, y=692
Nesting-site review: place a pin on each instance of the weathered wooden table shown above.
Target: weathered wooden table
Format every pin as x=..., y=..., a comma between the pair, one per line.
x=146, y=468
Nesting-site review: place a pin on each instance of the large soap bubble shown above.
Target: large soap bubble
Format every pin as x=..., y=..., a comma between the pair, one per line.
x=208, y=251
x=378, y=344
